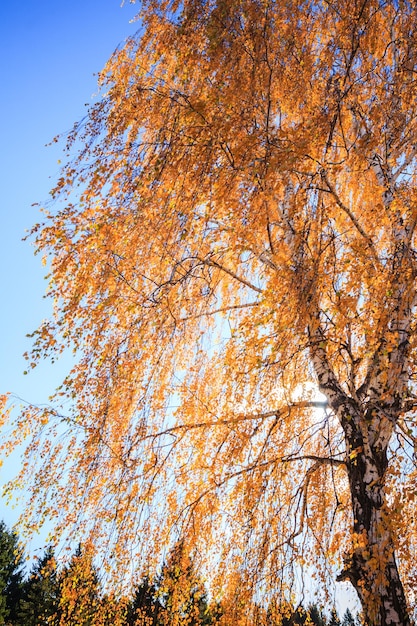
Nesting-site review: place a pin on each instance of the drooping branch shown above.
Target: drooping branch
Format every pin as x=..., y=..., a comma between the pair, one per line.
x=240, y=279
x=324, y=460
x=224, y=309
x=331, y=189
x=302, y=404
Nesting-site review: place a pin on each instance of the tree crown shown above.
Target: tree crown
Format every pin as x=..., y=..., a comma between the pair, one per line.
x=237, y=227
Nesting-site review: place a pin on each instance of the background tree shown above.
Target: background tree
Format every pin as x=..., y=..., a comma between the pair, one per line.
x=11, y=575
x=348, y=619
x=181, y=595
x=79, y=598
x=316, y=615
x=238, y=228
x=113, y=609
x=145, y=606
x=334, y=618
x=41, y=593
x=286, y=616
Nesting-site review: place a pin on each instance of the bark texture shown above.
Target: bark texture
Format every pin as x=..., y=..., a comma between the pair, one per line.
x=371, y=567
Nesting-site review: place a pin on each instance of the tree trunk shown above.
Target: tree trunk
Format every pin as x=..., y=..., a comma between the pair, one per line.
x=371, y=567
x=368, y=426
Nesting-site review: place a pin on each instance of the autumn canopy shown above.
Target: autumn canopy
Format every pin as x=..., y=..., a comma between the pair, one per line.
x=235, y=231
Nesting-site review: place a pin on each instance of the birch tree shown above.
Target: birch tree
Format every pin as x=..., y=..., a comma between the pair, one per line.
x=235, y=230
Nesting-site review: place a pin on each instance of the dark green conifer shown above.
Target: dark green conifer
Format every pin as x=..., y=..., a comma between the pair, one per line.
x=11, y=575
x=181, y=592
x=316, y=615
x=40, y=593
x=348, y=619
x=334, y=618
x=80, y=599
x=144, y=606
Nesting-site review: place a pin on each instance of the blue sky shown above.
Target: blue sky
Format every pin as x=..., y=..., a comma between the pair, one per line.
x=50, y=52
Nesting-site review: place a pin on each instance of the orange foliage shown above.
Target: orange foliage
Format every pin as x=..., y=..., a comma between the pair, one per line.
x=237, y=230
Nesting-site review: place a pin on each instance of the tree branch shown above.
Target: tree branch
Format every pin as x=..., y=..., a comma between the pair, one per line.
x=325, y=460
x=302, y=404
x=349, y=213
x=212, y=263
x=223, y=309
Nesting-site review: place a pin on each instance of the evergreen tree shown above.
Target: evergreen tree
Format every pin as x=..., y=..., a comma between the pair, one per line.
x=316, y=615
x=334, y=618
x=11, y=574
x=112, y=610
x=300, y=616
x=286, y=615
x=40, y=593
x=348, y=619
x=145, y=607
x=181, y=593
x=79, y=600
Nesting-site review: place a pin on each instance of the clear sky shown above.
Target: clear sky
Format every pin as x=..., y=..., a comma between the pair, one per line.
x=50, y=52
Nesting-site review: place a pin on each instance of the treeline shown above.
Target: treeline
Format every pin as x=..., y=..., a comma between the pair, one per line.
x=71, y=594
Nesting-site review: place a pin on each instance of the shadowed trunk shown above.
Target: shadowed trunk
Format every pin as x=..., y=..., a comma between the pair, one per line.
x=371, y=567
